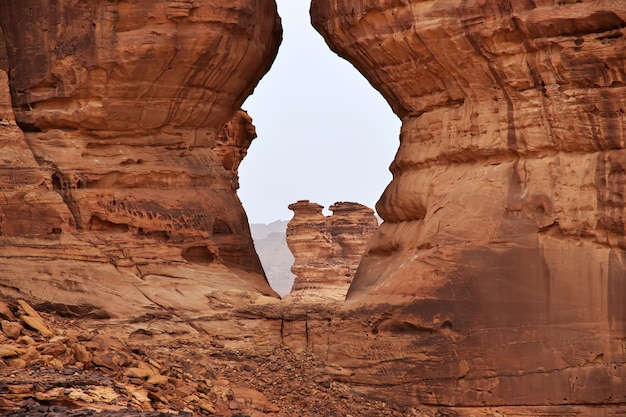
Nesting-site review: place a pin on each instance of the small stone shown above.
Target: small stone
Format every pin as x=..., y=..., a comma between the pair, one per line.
x=26, y=341
x=110, y=360
x=6, y=404
x=146, y=366
x=80, y=353
x=138, y=373
x=136, y=381
x=56, y=363
x=50, y=395
x=105, y=394
x=5, y=311
x=156, y=397
x=17, y=363
x=323, y=381
x=157, y=379
x=185, y=390
x=58, y=339
x=146, y=406
x=204, y=406
x=7, y=351
x=13, y=330
x=37, y=323
x=52, y=349
x=154, y=363
x=192, y=398
x=30, y=311
x=21, y=389
x=140, y=395
x=105, y=360
x=103, y=342
x=79, y=395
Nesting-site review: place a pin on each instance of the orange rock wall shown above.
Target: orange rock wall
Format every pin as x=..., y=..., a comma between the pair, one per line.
x=495, y=285
x=504, y=222
x=127, y=164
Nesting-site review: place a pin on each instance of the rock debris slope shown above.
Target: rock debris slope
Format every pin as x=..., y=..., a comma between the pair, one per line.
x=504, y=221
x=119, y=168
x=60, y=367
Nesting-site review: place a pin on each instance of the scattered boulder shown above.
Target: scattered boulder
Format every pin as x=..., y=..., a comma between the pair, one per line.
x=12, y=329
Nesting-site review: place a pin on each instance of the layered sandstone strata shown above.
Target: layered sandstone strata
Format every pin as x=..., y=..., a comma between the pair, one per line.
x=121, y=183
x=504, y=223
x=327, y=250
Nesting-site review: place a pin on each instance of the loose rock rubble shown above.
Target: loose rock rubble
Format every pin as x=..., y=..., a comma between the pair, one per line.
x=55, y=366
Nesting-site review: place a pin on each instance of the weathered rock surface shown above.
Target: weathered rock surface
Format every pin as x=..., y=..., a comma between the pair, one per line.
x=327, y=250
x=119, y=163
x=495, y=286
x=504, y=223
x=89, y=368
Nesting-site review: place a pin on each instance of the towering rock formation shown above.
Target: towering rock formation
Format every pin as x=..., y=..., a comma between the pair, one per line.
x=495, y=286
x=121, y=184
x=327, y=250
x=504, y=223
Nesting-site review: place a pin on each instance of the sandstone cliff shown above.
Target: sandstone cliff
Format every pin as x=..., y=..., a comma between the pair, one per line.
x=119, y=168
x=495, y=285
x=504, y=222
x=327, y=250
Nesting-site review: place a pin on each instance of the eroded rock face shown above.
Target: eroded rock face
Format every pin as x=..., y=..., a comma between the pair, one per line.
x=27, y=206
x=127, y=166
x=327, y=250
x=504, y=222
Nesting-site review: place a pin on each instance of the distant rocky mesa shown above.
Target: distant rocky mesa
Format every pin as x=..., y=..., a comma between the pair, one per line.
x=327, y=250
x=119, y=163
x=270, y=243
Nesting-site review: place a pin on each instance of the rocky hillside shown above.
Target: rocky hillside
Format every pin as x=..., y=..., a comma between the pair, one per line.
x=50, y=366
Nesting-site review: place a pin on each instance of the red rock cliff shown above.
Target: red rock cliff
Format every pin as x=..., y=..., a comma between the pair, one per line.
x=327, y=250
x=504, y=222
x=120, y=185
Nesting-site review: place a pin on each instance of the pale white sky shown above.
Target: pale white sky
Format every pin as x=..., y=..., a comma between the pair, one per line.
x=325, y=134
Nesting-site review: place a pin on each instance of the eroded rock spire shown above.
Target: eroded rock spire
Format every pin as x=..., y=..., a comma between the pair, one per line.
x=327, y=249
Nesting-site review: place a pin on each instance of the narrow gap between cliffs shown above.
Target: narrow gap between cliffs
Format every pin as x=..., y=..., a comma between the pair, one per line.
x=324, y=135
